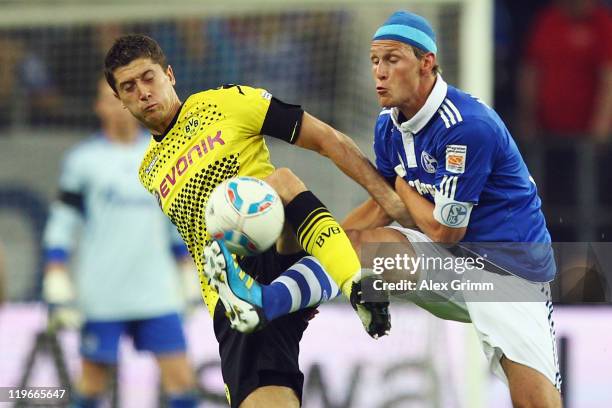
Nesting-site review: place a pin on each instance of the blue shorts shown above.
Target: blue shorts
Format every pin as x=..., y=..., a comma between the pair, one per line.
x=159, y=335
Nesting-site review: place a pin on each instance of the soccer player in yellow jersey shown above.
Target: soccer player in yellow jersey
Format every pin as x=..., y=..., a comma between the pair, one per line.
x=217, y=134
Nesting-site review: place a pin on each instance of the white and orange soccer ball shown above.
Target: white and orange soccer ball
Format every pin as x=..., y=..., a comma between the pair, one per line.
x=246, y=213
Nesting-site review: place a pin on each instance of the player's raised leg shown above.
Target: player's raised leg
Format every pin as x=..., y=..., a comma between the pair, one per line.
x=249, y=305
x=321, y=236
x=317, y=231
x=533, y=382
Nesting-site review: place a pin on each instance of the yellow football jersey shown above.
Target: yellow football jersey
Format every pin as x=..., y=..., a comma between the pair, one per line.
x=217, y=134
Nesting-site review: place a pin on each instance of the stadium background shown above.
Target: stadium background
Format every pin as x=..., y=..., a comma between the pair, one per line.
x=314, y=53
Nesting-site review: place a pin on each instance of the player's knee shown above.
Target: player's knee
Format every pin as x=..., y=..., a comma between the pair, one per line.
x=179, y=383
x=537, y=398
x=176, y=374
x=286, y=184
x=530, y=388
x=536, y=401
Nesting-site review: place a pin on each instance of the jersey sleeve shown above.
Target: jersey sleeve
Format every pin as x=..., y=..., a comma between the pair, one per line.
x=65, y=215
x=283, y=121
x=72, y=180
x=465, y=161
x=383, y=152
x=59, y=235
x=262, y=114
x=249, y=105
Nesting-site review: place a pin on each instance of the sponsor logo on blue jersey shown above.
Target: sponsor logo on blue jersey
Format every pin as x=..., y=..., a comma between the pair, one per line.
x=428, y=162
x=454, y=213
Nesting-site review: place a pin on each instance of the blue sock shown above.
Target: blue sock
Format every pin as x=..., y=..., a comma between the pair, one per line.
x=303, y=285
x=81, y=401
x=186, y=400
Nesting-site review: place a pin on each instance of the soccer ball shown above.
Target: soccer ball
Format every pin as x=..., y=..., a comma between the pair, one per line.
x=246, y=213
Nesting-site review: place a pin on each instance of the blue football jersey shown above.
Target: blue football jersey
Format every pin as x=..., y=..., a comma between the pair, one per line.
x=457, y=153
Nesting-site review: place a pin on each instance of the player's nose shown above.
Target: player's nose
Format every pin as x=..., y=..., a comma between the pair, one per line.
x=144, y=93
x=380, y=71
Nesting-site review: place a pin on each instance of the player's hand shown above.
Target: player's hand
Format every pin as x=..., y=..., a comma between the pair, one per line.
x=59, y=294
x=374, y=315
x=190, y=285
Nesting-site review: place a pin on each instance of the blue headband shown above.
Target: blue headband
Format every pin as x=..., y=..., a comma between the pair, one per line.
x=408, y=28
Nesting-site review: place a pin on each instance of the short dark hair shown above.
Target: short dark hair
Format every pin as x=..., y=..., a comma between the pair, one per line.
x=419, y=53
x=128, y=48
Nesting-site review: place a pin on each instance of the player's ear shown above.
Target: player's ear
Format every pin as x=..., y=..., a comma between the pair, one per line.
x=428, y=62
x=170, y=74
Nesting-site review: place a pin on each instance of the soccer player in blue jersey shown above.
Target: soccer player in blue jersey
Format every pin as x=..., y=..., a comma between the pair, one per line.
x=131, y=267
x=459, y=173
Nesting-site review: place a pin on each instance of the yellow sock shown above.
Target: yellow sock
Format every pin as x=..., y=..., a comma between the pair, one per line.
x=322, y=237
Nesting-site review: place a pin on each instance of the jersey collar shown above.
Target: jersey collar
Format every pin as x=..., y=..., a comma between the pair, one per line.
x=159, y=138
x=422, y=117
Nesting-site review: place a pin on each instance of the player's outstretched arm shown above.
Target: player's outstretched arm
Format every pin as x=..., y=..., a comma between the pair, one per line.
x=320, y=137
x=423, y=210
x=368, y=215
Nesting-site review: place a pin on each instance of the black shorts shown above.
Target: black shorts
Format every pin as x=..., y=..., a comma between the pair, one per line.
x=268, y=356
